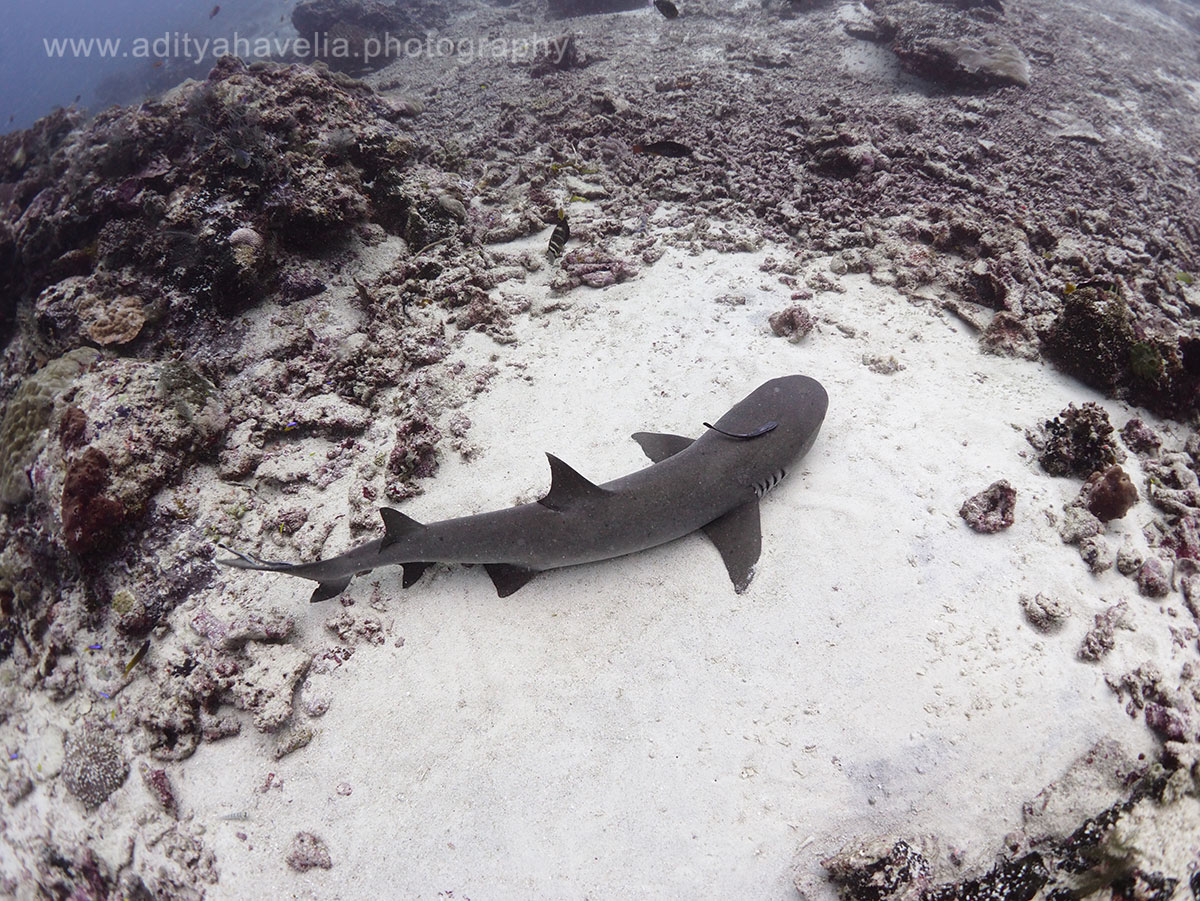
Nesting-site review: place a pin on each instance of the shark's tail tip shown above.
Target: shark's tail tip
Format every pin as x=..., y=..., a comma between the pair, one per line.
x=244, y=560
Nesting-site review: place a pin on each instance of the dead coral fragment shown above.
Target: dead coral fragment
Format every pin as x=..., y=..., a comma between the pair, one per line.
x=1078, y=441
x=93, y=767
x=794, y=323
x=1099, y=639
x=1110, y=494
x=992, y=509
x=159, y=785
x=1152, y=579
x=308, y=851
x=1046, y=614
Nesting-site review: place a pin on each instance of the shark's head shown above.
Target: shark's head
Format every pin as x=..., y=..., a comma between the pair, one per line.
x=772, y=428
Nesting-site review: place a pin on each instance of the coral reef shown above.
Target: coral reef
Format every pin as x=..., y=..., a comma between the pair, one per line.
x=992, y=509
x=1057, y=851
x=361, y=35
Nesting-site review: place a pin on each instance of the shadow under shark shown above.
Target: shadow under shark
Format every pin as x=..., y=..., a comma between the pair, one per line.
x=712, y=483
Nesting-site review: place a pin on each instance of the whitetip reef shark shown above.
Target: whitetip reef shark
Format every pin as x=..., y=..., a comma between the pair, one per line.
x=712, y=483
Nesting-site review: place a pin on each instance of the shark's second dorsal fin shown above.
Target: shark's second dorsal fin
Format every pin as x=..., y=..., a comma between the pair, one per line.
x=567, y=487
x=738, y=536
x=659, y=445
x=396, y=526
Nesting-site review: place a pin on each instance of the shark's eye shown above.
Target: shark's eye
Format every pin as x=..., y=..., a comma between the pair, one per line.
x=746, y=436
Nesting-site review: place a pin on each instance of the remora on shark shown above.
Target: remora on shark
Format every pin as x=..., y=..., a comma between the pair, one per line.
x=712, y=483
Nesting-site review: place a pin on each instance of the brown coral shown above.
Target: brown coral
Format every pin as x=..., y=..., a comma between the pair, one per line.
x=89, y=518
x=1110, y=494
x=112, y=320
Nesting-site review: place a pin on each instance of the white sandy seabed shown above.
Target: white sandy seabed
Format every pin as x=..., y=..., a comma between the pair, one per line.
x=634, y=728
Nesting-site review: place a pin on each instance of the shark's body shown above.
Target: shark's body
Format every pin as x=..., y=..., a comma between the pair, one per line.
x=713, y=483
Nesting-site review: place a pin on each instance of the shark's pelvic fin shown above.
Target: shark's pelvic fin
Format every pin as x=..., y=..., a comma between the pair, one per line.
x=738, y=537
x=659, y=445
x=508, y=578
x=331, y=589
x=396, y=526
x=412, y=572
x=567, y=488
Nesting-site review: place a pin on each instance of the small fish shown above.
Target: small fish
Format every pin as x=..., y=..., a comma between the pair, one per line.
x=667, y=8
x=216, y=9
x=159, y=63
x=240, y=158
x=672, y=149
x=559, y=237
x=291, y=426
x=137, y=658
x=95, y=647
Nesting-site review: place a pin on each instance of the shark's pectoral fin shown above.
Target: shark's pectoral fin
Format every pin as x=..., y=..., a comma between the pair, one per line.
x=396, y=526
x=567, y=488
x=738, y=537
x=329, y=589
x=659, y=445
x=412, y=572
x=508, y=578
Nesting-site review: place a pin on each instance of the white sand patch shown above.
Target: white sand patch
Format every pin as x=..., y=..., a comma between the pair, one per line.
x=634, y=728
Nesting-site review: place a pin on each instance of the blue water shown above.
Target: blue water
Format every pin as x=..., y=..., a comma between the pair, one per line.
x=32, y=82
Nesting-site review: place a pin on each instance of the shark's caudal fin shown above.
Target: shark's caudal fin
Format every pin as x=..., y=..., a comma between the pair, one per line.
x=243, y=560
x=324, y=591
x=738, y=537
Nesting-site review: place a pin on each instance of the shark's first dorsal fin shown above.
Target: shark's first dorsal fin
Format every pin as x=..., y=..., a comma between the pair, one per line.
x=738, y=537
x=567, y=487
x=396, y=526
x=659, y=445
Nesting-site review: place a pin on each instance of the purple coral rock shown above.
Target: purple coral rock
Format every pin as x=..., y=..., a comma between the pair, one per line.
x=794, y=323
x=1140, y=437
x=1168, y=723
x=308, y=851
x=1152, y=579
x=992, y=509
